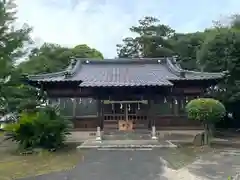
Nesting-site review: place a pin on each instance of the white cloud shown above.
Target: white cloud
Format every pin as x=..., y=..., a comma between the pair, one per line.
x=101, y=29
x=103, y=23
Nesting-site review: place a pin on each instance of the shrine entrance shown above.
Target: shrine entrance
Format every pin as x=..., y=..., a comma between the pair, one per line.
x=125, y=115
x=125, y=124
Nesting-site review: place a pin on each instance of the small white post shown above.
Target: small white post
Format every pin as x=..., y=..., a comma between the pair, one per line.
x=98, y=135
x=154, y=137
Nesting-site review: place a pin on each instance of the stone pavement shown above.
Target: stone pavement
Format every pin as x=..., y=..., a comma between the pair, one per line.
x=112, y=165
x=218, y=165
x=126, y=144
x=212, y=166
x=147, y=165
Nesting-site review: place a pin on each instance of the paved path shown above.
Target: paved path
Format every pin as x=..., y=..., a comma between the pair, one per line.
x=147, y=165
x=217, y=166
x=112, y=165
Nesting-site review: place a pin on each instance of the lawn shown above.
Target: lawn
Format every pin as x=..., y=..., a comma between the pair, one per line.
x=14, y=166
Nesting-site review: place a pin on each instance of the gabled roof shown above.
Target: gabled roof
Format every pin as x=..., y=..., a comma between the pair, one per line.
x=124, y=72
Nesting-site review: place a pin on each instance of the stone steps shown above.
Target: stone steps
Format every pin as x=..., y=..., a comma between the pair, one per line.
x=123, y=135
x=124, y=149
x=126, y=144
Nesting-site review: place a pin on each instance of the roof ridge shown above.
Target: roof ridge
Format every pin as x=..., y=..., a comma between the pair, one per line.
x=116, y=59
x=122, y=60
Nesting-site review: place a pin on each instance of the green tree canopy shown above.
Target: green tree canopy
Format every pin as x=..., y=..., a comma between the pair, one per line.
x=52, y=57
x=151, y=40
x=220, y=52
x=12, y=47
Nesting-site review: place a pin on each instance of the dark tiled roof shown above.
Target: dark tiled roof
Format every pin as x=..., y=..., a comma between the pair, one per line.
x=125, y=72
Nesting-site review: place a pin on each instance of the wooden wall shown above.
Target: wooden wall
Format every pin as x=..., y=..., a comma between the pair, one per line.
x=176, y=122
x=161, y=123
x=85, y=123
x=166, y=112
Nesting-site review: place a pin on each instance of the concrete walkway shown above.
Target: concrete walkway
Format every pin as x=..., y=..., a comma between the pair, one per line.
x=126, y=144
x=217, y=166
x=112, y=165
x=148, y=165
x=212, y=166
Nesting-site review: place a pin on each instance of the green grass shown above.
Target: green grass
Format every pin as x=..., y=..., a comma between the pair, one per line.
x=13, y=165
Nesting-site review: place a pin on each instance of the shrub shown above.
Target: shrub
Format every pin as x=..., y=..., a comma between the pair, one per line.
x=41, y=129
x=206, y=110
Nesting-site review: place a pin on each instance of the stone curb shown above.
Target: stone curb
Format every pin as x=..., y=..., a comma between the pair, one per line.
x=126, y=146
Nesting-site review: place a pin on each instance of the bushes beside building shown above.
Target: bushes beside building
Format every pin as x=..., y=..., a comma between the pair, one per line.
x=208, y=111
x=42, y=128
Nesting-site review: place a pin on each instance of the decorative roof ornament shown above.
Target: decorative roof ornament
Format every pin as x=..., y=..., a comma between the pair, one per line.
x=72, y=63
x=68, y=72
x=72, y=68
x=175, y=68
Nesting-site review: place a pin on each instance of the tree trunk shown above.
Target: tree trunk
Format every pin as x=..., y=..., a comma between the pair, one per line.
x=211, y=130
x=206, y=133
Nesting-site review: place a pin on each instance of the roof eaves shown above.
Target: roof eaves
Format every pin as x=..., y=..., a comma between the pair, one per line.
x=45, y=76
x=175, y=68
x=126, y=85
x=207, y=75
x=66, y=75
x=110, y=84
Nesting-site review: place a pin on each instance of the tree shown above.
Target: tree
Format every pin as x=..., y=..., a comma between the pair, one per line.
x=52, y=58
x=151, y=41
x=12, y=46
x=186, y=47
x=214, y=51
x=220, y=52
x=20, y=96
x=206, y=110
x=46, y=59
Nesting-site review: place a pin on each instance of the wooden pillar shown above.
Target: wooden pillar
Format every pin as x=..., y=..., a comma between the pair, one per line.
x=151, y=115
x=74, y=107
x=126, y=112
x=100, y=114
x=153, y=118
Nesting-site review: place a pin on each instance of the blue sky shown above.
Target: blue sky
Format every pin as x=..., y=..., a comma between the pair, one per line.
x=104, y=23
